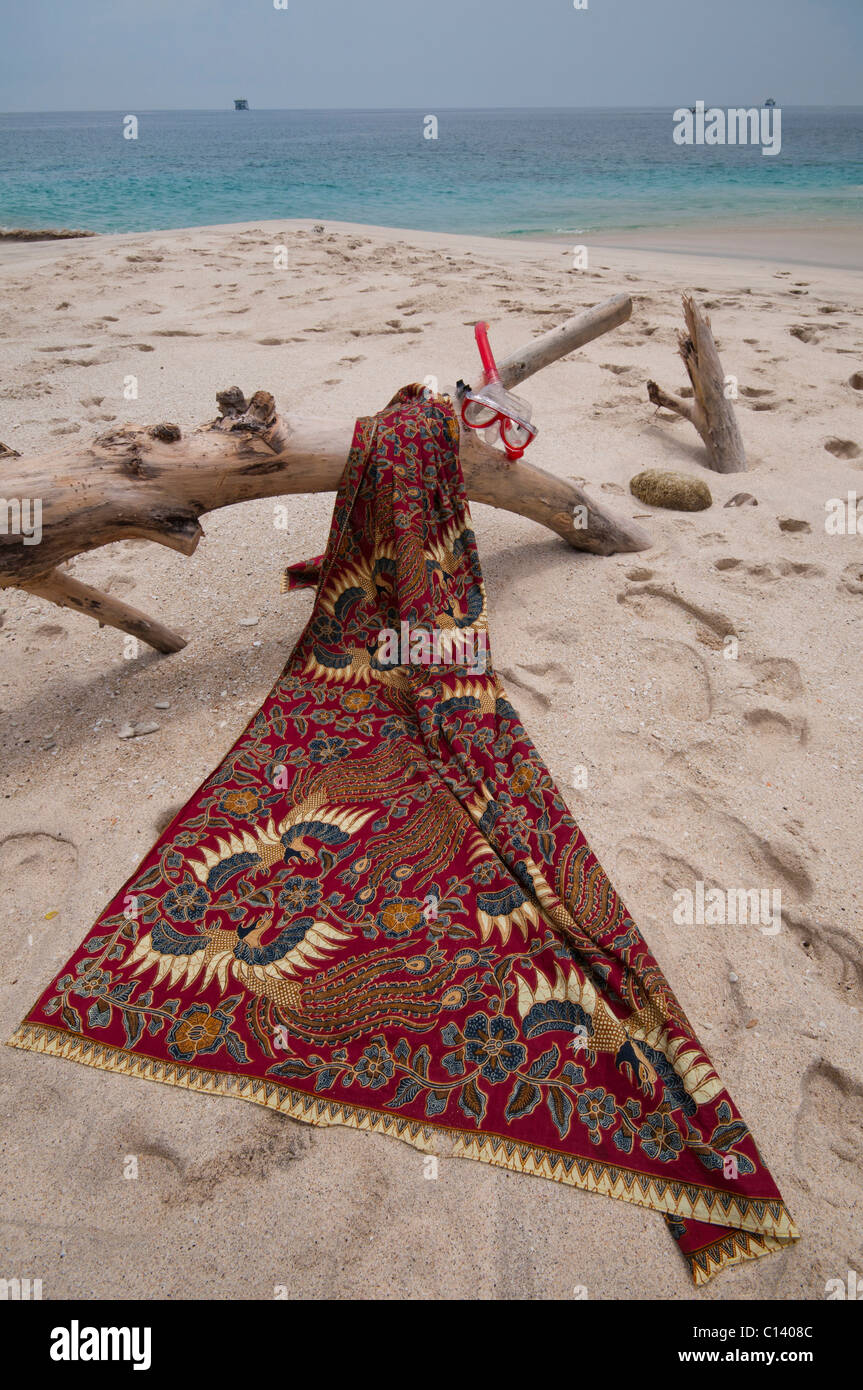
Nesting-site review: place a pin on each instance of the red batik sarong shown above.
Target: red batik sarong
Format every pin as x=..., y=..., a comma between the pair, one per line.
x=379, y=912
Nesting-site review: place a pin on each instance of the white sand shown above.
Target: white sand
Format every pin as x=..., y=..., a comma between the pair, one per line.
x=738, y=772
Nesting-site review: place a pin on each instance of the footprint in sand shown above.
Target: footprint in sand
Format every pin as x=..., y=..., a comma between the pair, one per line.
x=36, y=867
x=851, y=577
x=805, y=333
x=775, y=681
x=655, y=866
x=725, y=849
x=779, y=677
x=838, y=954
x=754, y=397
x=799, y=569
x=535, y=686
x=48, y=632
x=117, y=580
x=842, y=448
x=777, y=684
x=678, y=678
x=644, y=601
x=766, y=574
x=856, y=380
x=776, y=726
x=829, y=1139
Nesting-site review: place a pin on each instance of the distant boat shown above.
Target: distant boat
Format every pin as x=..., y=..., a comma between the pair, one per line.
x=770, y=102
x=240, y=104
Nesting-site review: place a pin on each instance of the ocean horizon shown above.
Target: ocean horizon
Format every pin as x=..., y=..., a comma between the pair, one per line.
x=510, y=172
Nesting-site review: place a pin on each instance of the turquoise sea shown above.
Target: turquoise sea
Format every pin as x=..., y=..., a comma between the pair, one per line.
x=496, y=172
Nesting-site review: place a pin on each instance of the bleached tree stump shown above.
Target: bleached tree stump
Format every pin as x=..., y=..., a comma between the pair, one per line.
x=711, y=410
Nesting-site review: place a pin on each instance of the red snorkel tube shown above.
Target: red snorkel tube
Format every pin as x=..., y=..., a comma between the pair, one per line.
x=486, y=356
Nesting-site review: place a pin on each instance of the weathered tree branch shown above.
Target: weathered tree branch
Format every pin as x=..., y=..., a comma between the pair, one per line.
x=558, y=342
x=68, y=592
x=154, y=484
x=710, y=411
x=553, y=502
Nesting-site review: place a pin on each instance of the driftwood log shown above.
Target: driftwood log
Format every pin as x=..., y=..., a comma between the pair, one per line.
x=155, y=483
x=710, y=410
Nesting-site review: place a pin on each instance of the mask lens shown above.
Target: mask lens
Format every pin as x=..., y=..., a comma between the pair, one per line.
x=477, y=415
x=516, y=435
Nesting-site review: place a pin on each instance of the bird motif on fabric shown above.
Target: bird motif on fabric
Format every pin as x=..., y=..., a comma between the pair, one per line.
x=258, y=957
x=278, y=841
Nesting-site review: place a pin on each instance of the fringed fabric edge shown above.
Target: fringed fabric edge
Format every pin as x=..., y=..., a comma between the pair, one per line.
x=764, y=1226
x=734, y=1249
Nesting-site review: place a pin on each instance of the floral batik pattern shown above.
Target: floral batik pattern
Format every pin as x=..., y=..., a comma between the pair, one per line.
x=379, y=912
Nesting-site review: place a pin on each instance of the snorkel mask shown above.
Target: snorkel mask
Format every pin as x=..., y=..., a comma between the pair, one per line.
x=492, y=405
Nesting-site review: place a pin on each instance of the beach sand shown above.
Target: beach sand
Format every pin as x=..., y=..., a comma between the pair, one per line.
x=738, y=772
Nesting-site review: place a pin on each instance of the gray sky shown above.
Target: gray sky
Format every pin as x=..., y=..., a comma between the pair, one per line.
x=134, y=55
